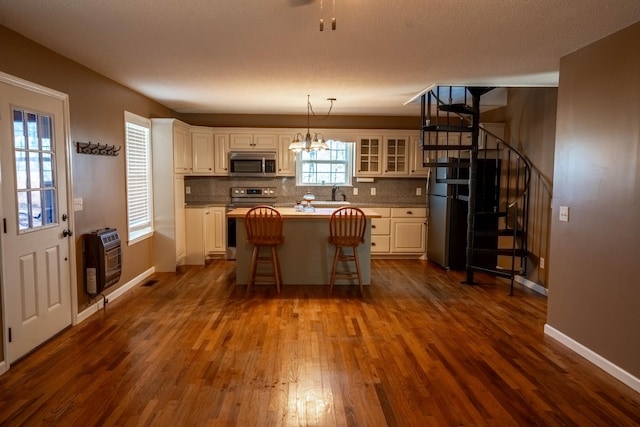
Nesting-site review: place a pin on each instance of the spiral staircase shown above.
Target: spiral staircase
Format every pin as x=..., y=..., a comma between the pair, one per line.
x=491, y=177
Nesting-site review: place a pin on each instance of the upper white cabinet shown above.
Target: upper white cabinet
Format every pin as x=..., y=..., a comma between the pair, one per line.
x=369, y=156
x=221, y=154
x=182, y=160
x=286, y=158
x=253, y=142
x=418, y=158
x=202, y=150
x=396, y=156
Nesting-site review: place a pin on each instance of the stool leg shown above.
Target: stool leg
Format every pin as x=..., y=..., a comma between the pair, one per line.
x=357, y=260
x=253, y=266
x=332, y=280
x=276, y=267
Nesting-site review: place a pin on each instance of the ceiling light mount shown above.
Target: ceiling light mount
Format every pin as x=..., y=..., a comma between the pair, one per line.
x=333, y=16
x=307, y=143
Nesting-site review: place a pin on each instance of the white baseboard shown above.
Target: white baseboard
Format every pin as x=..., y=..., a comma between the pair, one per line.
x=531, y=285
x=92, y=309
x=3, y=367
x=602, y=363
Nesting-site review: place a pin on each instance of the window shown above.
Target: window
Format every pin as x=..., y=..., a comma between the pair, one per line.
x=34, y=151
x=326, y=167
x=139, y=185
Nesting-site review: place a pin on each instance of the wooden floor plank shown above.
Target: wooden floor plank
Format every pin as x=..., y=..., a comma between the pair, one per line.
x=418, y=348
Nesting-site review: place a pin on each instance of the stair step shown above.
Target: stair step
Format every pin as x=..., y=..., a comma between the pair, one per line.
x=458, y=108
x=446, y=128
x=502, y=232
x=445, y=147
x=501, y=272
x=503, y=252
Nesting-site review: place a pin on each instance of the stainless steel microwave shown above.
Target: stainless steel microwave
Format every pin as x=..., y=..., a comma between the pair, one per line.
x=249, y=163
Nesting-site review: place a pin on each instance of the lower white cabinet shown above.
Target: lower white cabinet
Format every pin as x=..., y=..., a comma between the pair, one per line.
x=206, y=234
x=381, y=232
x=409, y=230
x=400, y=231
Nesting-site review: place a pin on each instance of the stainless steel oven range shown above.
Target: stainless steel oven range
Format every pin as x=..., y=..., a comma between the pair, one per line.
x=246, y=197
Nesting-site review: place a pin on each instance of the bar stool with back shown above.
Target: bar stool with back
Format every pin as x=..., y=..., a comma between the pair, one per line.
x=346, y=230
x=264, y=230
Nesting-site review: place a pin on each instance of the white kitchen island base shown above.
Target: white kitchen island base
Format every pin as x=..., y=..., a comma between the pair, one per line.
x=306, y=256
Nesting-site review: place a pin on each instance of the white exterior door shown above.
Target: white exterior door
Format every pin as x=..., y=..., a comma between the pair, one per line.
x=36, y=264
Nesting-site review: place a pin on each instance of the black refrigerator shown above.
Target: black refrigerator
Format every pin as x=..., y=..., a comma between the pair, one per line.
x=448, y=204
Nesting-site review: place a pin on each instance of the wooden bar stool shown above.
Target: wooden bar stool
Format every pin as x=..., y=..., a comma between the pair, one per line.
x=264, y=230
x=346, y=230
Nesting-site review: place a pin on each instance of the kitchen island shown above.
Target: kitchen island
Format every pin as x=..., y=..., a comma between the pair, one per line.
x=306, y=255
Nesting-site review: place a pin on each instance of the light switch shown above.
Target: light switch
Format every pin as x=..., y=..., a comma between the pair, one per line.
x=355, y=191
x=564, y=213
x=77, y=204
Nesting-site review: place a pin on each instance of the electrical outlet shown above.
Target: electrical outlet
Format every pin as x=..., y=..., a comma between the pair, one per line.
x=355, y=191
x=541, y=262
x=188, y=189
x=564, y=213
x=418, y=191
x=373, y=191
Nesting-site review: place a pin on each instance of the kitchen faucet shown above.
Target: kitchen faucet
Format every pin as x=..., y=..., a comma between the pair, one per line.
x=333, y=192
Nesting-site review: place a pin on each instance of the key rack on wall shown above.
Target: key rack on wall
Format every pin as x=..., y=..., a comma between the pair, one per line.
x=95, y=148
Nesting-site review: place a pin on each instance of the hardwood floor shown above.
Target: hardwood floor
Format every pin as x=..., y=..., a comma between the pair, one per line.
x=418, y=348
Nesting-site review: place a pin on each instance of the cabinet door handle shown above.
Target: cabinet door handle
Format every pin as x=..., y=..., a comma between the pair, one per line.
x=373, y=226
x=409, y=213
x=373, y=243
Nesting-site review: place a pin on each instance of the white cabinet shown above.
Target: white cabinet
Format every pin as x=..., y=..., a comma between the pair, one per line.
x=418, y=158
x=253, y=142
x=396, y=156
x=401, y=231
x=202, y=150
x=169, y=241
x=408, y=230
x=215, y=231
x=221, y=154
x=181, y=143
x=369, y=156
x=381, y=232
x=206, y=234
x=286, y=158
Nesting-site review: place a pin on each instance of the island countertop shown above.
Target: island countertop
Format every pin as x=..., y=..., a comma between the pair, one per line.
x=291, y=213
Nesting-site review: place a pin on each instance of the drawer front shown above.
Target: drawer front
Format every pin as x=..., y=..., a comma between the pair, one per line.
x=385, y=212
x=380, y=226
x=409, y=212
x=380, y=244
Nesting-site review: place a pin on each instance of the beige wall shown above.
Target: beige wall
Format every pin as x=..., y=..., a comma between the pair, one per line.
x=594, y=290
x=531, y=127
x=97, y=107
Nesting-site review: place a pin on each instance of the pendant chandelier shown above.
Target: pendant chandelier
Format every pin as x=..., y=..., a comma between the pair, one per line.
x=307, y=143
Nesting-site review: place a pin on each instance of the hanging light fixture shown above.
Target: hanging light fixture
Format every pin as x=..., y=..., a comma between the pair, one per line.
x=307, y=143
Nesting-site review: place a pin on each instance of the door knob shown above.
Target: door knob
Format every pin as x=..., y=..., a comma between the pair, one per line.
x=67, y=233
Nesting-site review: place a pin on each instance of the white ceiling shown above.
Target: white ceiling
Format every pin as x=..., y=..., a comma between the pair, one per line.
x=265, y=56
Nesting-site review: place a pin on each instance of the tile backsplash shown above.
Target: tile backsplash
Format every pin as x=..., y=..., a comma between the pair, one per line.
x=206, y=189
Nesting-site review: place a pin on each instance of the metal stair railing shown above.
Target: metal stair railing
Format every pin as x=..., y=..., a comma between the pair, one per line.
x=515, y=173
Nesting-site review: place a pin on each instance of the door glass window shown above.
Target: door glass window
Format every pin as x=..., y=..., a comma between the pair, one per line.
x=34, y=168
